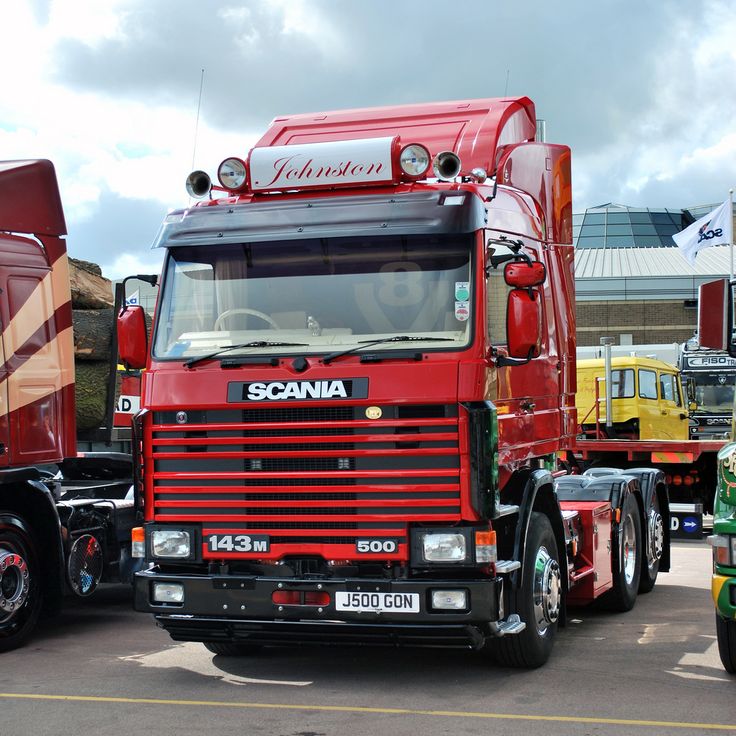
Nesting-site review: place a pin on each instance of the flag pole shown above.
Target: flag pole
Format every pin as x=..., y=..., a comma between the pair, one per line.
x=730, y=202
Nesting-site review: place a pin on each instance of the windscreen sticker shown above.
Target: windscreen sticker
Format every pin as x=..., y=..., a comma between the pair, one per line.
x=462, y=311
x=462, y=291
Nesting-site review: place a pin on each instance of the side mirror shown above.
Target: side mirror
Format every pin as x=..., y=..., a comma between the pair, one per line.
x=690, y=391
x=132, y=337
x=524, y=324
x=715, y=316
x=524, y=274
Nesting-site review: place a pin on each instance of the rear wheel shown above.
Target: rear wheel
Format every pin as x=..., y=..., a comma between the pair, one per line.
x=627, y=569
x=654, y=544
x=20, y=591
x=726, y=633
x=537, y=602
x=231, y=648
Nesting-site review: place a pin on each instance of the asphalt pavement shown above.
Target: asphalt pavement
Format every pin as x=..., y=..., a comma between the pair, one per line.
x=102, y=668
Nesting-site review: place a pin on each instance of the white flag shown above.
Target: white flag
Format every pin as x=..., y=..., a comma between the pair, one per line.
x=716, y=228
x=133, y=299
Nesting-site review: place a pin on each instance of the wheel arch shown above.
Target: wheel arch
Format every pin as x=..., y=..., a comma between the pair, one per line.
x=533, y=490
x=32, y=501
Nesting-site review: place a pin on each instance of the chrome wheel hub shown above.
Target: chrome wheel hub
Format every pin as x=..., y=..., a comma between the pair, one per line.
x=628, y=549
x=547, y=590
x=13, y=583
x=656, y=536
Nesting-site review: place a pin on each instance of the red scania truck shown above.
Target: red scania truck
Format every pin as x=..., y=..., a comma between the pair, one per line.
x=65, y=521
x=360, y=376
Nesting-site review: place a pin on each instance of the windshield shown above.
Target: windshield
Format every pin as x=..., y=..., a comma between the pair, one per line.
x=714, y=392
x=325, y=294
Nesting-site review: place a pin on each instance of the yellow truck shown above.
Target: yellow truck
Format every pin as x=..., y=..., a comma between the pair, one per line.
x=647, y=400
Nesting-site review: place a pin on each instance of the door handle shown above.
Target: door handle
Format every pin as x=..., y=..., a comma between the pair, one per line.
x=527, y=406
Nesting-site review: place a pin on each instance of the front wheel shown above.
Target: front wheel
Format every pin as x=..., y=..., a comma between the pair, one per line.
x=726, y=633
x=538, y=601
x=20, y=592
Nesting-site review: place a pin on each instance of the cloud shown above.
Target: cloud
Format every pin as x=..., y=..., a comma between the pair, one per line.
x=109, y=91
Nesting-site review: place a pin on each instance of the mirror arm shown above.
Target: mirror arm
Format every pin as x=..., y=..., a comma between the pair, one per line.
x=496, y=261
x=503, y=360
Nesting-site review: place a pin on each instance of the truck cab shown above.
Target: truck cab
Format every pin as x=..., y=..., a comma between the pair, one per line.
x=647, y=399
x=361, y=372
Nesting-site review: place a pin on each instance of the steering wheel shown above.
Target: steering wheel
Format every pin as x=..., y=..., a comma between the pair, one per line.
x=254, y=312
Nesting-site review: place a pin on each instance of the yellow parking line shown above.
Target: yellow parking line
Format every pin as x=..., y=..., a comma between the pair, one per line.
x=376, y=711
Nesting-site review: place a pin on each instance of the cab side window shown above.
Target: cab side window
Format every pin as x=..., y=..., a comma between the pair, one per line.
x=668, y=388
x=647, y=384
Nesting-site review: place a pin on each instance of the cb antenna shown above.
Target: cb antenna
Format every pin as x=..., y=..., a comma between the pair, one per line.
x=196, y=124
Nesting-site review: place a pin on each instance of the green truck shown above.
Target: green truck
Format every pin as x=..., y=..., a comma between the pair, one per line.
x=723, y=541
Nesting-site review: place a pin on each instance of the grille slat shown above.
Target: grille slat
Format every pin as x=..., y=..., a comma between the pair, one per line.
x=308, y=475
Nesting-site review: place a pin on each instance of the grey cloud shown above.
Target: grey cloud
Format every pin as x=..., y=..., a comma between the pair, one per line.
x=119, y=226
x=589, y=68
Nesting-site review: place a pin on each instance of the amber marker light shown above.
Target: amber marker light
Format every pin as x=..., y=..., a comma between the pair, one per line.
x=137, y=542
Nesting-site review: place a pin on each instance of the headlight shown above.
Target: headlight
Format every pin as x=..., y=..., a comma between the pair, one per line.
x=170, y=543
x=724, y=549
x=444, y=547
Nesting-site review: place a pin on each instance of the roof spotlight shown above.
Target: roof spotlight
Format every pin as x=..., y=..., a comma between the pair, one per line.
x=414, y=160
x=231, y=173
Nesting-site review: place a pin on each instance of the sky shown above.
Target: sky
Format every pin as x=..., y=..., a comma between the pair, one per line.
x=643, y=91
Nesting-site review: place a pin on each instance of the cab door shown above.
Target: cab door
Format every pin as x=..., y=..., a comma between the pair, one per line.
x=674, y=420
x=4, y=435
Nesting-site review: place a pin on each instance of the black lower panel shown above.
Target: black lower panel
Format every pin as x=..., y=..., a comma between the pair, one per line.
x=288, y=633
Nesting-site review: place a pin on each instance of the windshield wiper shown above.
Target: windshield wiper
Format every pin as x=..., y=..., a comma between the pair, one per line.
x=367, y=343
x=255, y=344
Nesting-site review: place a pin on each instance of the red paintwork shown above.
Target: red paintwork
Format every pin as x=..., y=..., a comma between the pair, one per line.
x=535, y=402
x=524, y=323
x=132, y=340
x=37, y=421
x=31, y=201
x=473, y=129
x=641, y=449
x=593, y=574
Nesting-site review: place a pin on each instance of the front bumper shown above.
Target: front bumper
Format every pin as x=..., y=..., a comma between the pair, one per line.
x=240, y=608
x=723, y=589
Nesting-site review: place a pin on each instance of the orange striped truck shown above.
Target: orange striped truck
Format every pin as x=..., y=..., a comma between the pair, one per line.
x=64, y=518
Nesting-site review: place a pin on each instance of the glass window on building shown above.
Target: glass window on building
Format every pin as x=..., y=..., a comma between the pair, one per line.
x=619, y=229
x=587, y=230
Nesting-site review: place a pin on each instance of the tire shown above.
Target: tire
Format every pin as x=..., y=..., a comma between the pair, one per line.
x=537, y=602
x=726, y=633
x=653, y=545
x=627, y=566
x=20, y=585
x=231, y=648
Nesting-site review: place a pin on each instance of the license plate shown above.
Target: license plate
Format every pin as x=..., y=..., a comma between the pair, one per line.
x=377, y=602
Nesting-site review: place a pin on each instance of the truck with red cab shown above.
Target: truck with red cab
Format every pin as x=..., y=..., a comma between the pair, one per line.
x=360, y=378
x=65, y=521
